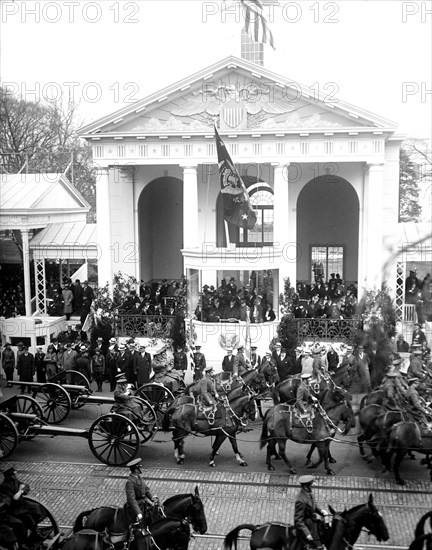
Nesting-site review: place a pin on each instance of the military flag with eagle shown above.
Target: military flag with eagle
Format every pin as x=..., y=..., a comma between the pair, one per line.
x=237, y=207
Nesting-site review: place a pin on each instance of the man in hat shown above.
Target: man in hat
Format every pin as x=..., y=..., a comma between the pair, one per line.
x=40, y=365
x=83, y=362
x=228, y=363
x=361, y=366
x=305, y=510
x=277, y=351
x=255, y=359
x=69, y=358
x=304, y=393
x=8, y=363
x=205, y=388
x=418, y=336
x=98, y=367
x=199, y=363
x=142, y=366
x=125, y=399
x=68, y=335
x=111, y=363
x=139, y=499
x=415, y=369
x=26, y=368
x=307, y=362
x=401, y=345
x=394, y=390
x=285, y=365
x=418, y=407
x=241, y=363
x=29, y=513
x=180, y=360
x=124, y=360
x=269, y=370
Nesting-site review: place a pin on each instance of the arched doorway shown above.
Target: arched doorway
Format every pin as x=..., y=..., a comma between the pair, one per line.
x=160, y=218
x=328, y=228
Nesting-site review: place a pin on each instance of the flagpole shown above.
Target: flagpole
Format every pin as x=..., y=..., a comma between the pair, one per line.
x=227, y=237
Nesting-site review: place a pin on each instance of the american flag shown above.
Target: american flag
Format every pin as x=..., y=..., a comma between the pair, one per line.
x=256, y=24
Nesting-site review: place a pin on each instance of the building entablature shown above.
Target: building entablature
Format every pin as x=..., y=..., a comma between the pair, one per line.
x=210, y=257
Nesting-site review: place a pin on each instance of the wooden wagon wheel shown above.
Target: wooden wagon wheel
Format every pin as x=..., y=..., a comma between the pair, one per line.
x=46, y=528
x=28, y=405
x=114, y=439
x=54, y=400
x=147, y=423
x=8, y=436
x=159, y=397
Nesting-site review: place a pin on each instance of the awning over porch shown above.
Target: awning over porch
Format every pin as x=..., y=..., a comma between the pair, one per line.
x=74, y=240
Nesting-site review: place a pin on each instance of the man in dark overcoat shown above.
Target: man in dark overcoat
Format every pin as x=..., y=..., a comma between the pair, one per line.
x=199, y=362
x=305, y=510
x=142, y=366
x=26, y=368
x=8, y=363
x=40, y=366
x=228, y=363
x=180, y=360
x=124, y=362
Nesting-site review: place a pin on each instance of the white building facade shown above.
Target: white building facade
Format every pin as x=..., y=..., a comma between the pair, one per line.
x=322, y=175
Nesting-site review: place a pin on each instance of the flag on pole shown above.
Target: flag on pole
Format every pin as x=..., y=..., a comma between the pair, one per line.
x=236, y=203
x=256, y=24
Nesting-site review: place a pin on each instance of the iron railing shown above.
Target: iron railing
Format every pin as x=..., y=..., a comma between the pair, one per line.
x=327, y=330
x=145, y=326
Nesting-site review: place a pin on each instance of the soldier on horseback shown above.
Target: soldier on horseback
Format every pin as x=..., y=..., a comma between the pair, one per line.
x=305, y=515
x=418, y=407
x=205, y=389
x=140, y=503
x=304, y=397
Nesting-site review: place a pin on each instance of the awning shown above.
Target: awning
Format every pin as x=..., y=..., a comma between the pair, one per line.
x=71, y=240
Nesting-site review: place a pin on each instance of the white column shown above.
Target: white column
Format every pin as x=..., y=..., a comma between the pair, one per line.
x=103, y=218
x=26, y=267
x=372, y=254
x=190, y=207
x=281, y=237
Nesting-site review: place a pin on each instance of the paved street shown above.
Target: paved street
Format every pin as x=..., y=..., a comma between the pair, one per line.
x=68, y=478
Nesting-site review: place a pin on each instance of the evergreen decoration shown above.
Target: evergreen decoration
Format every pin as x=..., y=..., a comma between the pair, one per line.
x=287, y=329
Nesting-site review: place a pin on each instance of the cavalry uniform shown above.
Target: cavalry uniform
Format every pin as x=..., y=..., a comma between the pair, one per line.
x=304, y=394
x=241, y=364
x=415, y=369
x=205, y=388
x=419, y=410
x=138, y=494
x=199, y=362
x=394, y=390
x=305, y=511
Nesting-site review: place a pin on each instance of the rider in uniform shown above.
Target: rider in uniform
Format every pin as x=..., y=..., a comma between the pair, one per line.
x=241, y=363
x=12, y=491
x=419, y=410
x=394, y=390
x=304, y=394
x=140, y=502
x=205, y=388
x=305, y=511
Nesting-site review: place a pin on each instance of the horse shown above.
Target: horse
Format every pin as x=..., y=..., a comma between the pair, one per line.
x=374, y=398
x=376, y=423
x=228, y=421
x=280, y=425
x=342, y=535
x=185, y=506
x=404, y=437
x=86, y=539
x=422, y=540
x=287, y=389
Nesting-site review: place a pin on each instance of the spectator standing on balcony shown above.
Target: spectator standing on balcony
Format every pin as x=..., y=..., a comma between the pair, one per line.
x=268, y=314
x=67, y=302
x=257, y=310
x=244, y=311
x=232, y=310
x=412, y=282
x=8, y=363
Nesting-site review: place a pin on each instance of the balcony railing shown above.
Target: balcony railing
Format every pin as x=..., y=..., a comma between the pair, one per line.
x=145, y=326
x=327, y=330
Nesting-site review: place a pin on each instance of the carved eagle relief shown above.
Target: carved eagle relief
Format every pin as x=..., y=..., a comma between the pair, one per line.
x=236, y=106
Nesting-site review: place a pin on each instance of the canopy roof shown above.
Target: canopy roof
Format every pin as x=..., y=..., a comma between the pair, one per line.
x=74, y=240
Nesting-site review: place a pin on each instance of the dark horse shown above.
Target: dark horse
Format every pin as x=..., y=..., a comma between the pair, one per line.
x=280, y=424
x=405, y=437
x=179, y=509
x=422, y=540
x=344, y=532
x=229, y=421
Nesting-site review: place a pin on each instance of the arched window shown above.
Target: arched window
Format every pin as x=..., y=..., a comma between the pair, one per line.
x=261, y=197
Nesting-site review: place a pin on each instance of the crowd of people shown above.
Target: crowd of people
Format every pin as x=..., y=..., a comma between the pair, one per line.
x=232, y=302
x=419, y=294
x=158, y=298
x=12, y=301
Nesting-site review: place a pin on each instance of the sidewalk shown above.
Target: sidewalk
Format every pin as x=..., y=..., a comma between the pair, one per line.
x=229, y=498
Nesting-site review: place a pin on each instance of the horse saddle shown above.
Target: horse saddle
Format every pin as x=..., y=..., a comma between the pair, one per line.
x=91, y=538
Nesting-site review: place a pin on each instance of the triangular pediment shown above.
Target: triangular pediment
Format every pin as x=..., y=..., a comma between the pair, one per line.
x=240, y=97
